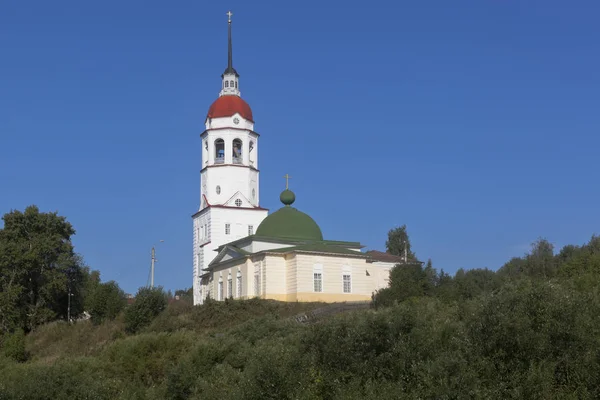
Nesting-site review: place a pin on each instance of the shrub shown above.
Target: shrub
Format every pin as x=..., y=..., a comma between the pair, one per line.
x=149, y=302
x=13, y=346
x=105, y=302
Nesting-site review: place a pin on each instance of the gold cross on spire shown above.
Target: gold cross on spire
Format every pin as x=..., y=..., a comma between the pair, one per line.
x=287, y=181
x=229, y=14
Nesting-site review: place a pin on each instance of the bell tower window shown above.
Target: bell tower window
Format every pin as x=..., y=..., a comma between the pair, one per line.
x=219, y=151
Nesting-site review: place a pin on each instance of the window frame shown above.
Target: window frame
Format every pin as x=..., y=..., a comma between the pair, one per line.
x=349, y=282
x=318, y=271
x=346, y=272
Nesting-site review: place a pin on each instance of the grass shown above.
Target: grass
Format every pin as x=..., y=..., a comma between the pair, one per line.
x=59, y=340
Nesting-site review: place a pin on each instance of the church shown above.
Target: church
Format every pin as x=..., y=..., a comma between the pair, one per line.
x=240, y=250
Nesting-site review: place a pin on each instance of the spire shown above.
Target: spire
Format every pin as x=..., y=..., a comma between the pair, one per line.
x=230, y=76
x=230, y=69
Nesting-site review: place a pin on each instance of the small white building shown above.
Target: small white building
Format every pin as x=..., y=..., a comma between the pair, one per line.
x=241, y=252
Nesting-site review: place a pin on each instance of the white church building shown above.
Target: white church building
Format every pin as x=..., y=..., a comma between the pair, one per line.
x=240, y=251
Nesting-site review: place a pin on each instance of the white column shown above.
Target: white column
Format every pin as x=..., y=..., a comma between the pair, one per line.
x=246, y=151
x=255, y=140
x=211, y=150
x=228, y=150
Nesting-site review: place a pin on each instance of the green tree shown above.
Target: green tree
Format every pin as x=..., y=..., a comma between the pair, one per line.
x=398, y=243
x=540, y=261
x=406, y=281
x=474, y=282
x=38, y=269
x=105, y=301
x=149, y=302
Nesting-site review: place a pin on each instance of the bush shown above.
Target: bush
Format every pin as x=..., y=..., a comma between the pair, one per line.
x=65, y=379
x=13, y=346
x=149, y=302
x=105, y=302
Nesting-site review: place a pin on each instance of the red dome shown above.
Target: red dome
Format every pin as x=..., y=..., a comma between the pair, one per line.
x=227, y=106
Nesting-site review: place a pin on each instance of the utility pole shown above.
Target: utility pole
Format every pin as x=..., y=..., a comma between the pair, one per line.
x=152, y=268
x=69, y=306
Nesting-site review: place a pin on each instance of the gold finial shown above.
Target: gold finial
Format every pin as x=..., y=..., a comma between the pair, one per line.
x=287, y=181
x=229, y=14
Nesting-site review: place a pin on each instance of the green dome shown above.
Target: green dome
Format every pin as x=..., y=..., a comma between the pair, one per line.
x=287, y=197
x=288, y=222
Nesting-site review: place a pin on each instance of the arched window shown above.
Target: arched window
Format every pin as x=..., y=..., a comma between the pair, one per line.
x=219, y=151
x=237, y=151
x=231, y=84
x=236, y=84
x=226, y=83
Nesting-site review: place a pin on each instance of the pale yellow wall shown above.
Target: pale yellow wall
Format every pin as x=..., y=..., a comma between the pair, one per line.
x=241, y=265
x=290, y=277
x=362, y=285
x=292, y=281
x=383, y=273
x=275, y=275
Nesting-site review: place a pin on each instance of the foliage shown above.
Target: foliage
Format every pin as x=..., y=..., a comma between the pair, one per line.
x=13, y=346
x=38, y=267
x=105, y=301
x=530, y=330
x=398, y=243
x=186, y=295
x=82, y=338
x=149, y=302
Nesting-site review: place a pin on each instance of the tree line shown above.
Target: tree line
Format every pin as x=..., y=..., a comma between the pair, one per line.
x=42, y=280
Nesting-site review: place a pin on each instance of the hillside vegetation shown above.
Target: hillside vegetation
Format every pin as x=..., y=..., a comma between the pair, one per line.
x=530, y=330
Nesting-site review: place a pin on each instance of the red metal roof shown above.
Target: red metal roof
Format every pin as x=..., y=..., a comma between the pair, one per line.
x=227, y=106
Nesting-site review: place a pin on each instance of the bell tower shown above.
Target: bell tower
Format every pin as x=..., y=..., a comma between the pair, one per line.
x=229, y=187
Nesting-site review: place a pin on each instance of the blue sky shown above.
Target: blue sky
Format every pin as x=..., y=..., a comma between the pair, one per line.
x=476, y=123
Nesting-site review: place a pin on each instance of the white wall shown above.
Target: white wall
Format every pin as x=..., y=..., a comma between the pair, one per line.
x=231, y=180
x=227, y=122
x=217, y=218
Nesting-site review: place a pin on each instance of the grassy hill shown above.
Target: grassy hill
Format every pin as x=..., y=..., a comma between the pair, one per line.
x=87, y=361
x=527, y=339
x=530, y=330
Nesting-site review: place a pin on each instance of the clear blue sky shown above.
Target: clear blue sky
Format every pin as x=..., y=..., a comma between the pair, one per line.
x=476, y=123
